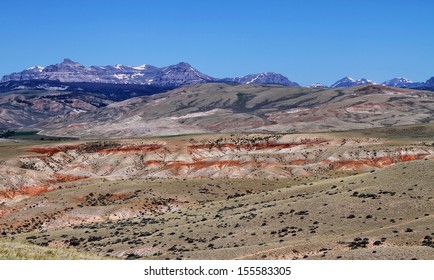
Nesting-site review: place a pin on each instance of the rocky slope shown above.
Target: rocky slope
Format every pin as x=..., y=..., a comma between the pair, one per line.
x=24, y=108
x=236, y=156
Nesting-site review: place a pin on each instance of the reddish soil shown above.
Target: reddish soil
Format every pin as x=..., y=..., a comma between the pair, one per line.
x=49, y=151
x=377, y=162
x=411, y=157
x=63, y=178
x=298, y=162
x=29, y=191
x=23, y=191
x=358, y=164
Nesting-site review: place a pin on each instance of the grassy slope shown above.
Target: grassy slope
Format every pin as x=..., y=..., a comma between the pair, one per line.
x=312, y=220
x=404, y=133
x=10, y=250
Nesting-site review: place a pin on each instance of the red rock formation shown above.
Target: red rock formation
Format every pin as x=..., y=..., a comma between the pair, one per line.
x=23, y=191
x=411, y=157
x=359, y=164
x=236, y=156
x=379, y=162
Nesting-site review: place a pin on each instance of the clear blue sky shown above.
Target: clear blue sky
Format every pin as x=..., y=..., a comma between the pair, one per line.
x=307, y=41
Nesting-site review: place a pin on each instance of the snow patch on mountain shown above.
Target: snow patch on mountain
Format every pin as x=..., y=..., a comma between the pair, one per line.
x=317, y=85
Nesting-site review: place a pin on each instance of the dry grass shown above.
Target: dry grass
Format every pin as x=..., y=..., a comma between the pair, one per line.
x=10, y=250
x=327, y=219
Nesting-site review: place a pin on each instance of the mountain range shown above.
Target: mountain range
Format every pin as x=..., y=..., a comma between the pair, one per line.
x=163, y=78
x=398, y=82
x=70, y=71
x=69, y=99
x=350, y=82
x=169, y=77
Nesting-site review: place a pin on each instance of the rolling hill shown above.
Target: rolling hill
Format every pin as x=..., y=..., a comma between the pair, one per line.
x=224, y=108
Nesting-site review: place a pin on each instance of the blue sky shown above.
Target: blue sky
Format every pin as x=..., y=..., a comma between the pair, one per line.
x=307, y=41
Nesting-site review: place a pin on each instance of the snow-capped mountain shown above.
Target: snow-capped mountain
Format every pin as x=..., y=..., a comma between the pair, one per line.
x=263, y=78
x=27, y=74
x=68, y=74
x=401, y=82
x=350, y=82
x=70, y=71
x=171, y=76
x=317, y=85
x=398, y=82
x=180, y=74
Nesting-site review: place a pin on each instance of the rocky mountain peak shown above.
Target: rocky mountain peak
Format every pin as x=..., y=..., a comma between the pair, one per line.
x=398, y=82
x=430, y=82
x=68, y=61
x=350, y=82
x=183, y=65
x=263, y=78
